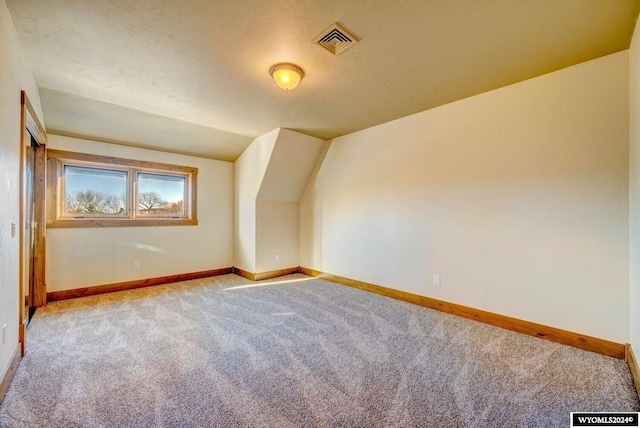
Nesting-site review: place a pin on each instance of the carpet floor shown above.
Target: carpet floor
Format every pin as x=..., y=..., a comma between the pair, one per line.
x=294, y=352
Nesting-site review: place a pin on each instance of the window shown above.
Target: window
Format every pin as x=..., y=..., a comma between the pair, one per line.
x=99, y=191
x=161, y=194
x=95, y=192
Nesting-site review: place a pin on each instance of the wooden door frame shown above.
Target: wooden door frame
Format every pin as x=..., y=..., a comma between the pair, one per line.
x=31, y=127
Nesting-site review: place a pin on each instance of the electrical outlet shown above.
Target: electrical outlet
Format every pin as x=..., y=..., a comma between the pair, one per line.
x=13, y=230
x=436, y=279
x=4, y=334
x=277, y=257
x=136, y=264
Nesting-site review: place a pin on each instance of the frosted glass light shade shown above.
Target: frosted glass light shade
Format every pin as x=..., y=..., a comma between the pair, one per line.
x=287, y=76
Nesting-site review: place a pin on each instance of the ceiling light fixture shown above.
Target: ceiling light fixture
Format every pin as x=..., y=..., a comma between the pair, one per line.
x=286, y=75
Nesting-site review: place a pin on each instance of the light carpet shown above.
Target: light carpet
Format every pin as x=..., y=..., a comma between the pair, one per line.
x=294, y=352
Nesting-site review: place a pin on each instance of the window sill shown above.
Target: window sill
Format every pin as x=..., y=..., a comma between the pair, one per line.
x=100, y=222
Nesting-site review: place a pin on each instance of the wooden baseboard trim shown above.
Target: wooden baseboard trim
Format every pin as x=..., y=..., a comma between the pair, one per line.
x=243, y=273
x=593, y=344
x=265, y=275
x=130, y=285
x=22, y=338
x=276, y=273
x=633, y=366
x=7, y=377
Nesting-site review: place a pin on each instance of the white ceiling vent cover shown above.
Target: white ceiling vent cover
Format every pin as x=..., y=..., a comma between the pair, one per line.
x=336, y=39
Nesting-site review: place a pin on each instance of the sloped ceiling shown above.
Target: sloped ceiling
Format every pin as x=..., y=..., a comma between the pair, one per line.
x=292, y=160
x=204, y=63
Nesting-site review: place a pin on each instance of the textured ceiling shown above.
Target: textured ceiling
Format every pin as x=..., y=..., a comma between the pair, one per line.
x=113, y=70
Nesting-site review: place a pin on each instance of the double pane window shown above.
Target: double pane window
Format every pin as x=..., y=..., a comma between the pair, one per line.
x=94, y=191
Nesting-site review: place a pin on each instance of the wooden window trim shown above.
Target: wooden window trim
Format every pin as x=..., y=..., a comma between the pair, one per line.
x=57, y=158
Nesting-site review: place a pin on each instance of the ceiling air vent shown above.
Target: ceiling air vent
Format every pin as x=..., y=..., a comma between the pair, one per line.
x=336, y=39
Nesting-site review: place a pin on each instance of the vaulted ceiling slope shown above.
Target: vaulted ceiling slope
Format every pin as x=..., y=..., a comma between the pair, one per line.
x=112, y=69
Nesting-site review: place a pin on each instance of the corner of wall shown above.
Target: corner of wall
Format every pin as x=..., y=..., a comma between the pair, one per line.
x=249, y=171
x=634, y=190
x=311, y=217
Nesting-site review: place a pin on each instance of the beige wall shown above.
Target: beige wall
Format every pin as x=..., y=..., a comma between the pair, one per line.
x=517, y=197
x=276, y=235
x=15, y=75
x=634, y=191
x=94, y=256
x=249, y=172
